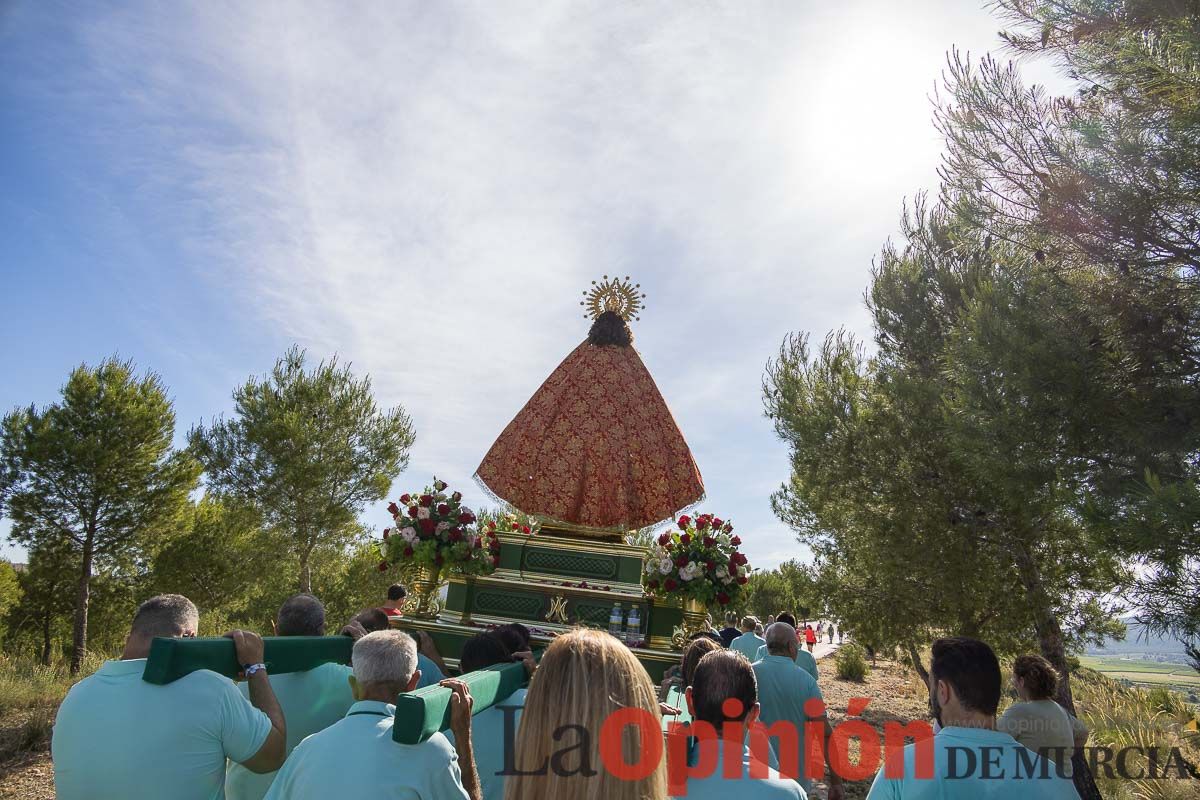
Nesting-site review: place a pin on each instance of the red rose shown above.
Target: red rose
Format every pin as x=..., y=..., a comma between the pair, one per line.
x=728, y=528
x=652, y=585
x=479, y=543
x=664, y=539
x=455, y=536
x=710, y=566
x=496, y=560
x=427, y=525
x=443, y=509
x=492, y=524
x=408, y=551
x=722, y=598
x=709, y=541
x=525, y=529
x=685, y=540
x=456, y=497
x=737, y=558
x=386, y=531
x=393, y=509
x=427, y=500
x=466, y=518
x=406, y=498
x=716, y=523
x=681, y=561
x=683, y=522
x=670, y=585
x=701, y=523
x=736, y=541
x=491, y=534
x=743, y=580
x=412, y=511
x=383, y=565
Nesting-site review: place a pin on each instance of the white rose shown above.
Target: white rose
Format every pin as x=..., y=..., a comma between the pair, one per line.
x=422, y=512
x=408, y=534
x=665, y=565
x=442, y=526
x=722, y=572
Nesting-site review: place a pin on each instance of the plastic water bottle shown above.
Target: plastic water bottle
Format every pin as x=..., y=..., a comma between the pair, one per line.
x=632, y=633
x=615, y=619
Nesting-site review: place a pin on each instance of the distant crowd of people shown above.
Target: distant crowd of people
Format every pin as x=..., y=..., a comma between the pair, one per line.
x=327, y=732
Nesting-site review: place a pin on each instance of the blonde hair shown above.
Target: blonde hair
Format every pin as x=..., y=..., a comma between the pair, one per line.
x=584, y=676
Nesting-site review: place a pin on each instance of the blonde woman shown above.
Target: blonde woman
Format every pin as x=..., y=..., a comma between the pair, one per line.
x=584, y=677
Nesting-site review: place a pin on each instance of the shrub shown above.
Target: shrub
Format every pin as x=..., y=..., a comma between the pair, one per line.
x=851, y=661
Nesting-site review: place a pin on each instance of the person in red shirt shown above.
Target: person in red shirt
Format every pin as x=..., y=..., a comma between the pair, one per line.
x=810, y=637
x=395, y=600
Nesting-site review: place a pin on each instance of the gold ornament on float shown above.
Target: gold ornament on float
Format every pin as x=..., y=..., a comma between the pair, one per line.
x=616, y=295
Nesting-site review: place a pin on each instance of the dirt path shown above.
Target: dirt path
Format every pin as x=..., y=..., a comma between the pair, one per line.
x=896, y=695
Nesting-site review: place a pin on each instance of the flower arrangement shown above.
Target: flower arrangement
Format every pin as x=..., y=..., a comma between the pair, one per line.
x=508, y=523
x=699, y=561
x=434, y=530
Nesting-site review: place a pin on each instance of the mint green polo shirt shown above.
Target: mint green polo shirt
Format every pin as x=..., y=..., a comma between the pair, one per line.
x=747, y=644
x=975, y=764
x=783, y=689
x=488, y=729
x=311, y=702
x=804, y=660
x=356, y=757
x=717, y=787
x=430, y=674
x=117, y=737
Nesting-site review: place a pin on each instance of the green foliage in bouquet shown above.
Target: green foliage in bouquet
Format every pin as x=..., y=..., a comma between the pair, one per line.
x=699, y=561
x=436, y=531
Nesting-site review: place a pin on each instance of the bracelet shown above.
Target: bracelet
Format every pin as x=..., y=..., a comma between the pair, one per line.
x=250, y=669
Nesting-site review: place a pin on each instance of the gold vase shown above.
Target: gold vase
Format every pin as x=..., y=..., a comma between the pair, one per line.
x=694, y=612
x=422, y=601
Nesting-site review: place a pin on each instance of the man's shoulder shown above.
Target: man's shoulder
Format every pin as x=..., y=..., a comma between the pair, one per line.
x=202, y=681
x=436, y=748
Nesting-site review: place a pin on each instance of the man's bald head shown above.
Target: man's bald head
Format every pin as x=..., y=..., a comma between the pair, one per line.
x=781, y=638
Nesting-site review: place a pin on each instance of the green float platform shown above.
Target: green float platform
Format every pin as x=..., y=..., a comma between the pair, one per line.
x=552, y=582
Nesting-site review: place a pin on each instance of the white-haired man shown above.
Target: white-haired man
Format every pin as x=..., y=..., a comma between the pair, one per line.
x=783, y=690
x=117, y=736
x=748, y=643
x=356, y=757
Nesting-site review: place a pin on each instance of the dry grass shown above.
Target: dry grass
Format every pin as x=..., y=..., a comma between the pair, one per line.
x=29, y=696
x=1120, y=717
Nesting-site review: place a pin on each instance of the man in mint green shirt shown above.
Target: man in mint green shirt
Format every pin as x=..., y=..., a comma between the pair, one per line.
x=748, y=643
x=970, y=758
x=311, y=700
x=357, y=758
x=804, y=659
x=783, y=689
x=720, y=676
x=118, y=737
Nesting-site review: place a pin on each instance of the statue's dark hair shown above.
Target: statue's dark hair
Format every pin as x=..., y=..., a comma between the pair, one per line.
x=610, y=329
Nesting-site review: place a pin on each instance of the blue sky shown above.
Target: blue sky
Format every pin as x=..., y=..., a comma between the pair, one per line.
x=424, y=189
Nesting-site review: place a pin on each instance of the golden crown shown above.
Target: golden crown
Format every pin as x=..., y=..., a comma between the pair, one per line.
x=614, y=294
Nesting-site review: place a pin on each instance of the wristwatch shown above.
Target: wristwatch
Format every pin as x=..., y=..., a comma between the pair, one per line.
x=250, y=669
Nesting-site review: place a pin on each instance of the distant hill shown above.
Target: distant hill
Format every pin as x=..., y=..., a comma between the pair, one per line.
x=1139, y=643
